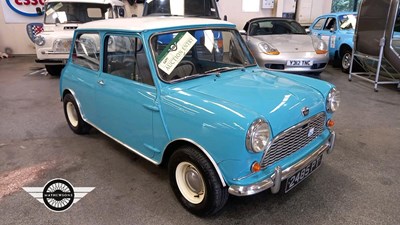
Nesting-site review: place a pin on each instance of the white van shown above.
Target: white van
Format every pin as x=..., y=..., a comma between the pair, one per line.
x=61, y=18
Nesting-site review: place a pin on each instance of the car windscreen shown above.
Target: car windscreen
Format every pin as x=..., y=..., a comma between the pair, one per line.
x=198, y=8
x=73, y=12
x=347, y=22
x=190, y=54
x=271, y=27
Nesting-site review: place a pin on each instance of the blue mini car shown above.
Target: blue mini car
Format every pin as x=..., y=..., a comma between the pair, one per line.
x=337, y=30
x=221, y=125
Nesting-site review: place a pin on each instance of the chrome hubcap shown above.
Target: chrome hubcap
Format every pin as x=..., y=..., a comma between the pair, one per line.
x=193, y=180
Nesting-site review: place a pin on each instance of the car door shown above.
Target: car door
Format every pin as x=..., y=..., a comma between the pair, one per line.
x=327, y=32
x=126, y=95
x=85, y=63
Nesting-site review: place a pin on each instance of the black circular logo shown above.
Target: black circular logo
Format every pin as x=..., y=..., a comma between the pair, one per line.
x=58, y=195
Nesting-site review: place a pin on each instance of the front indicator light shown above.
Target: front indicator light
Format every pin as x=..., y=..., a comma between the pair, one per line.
x=321, y=51
x=272, y=53
x=330, y=123
x=255, y=167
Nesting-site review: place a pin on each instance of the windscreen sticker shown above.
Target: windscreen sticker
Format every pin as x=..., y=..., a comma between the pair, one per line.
x=54, y=9
x=173, y=54
x=209, y=40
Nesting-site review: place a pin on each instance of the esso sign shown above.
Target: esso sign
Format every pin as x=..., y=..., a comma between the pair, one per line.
x=25, y=7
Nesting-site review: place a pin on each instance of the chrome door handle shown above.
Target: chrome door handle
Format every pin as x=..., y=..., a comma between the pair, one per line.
x=101, y=82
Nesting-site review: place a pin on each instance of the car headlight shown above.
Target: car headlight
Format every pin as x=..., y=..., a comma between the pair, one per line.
x=40, y=40
x=258, y=136
x=268, y=49
x=62, y=45
x=319, y=45
x=332, y=100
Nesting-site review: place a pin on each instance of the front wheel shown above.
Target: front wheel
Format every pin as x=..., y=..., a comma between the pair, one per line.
x=195, y=182
x=54, y=70
x=73, y=116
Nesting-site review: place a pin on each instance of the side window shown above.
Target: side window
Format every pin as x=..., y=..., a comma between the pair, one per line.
x=319, y=24
x=125, y=57
x=86, y=51
x=330, y=23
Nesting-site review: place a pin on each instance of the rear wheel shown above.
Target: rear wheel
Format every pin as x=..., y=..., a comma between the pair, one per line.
x=54, y=70
x=195, y=182
x=73, y=116
x=346, y=60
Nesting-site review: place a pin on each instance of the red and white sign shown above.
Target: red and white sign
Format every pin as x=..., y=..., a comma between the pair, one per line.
x=21, y=11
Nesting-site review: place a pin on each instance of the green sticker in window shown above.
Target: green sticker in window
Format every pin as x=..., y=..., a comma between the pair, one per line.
x=173, y=54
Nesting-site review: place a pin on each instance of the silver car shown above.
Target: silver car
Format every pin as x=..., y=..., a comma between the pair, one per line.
x=283, y=45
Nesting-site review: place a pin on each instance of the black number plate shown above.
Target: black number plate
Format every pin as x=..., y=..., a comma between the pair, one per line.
x=302, y=174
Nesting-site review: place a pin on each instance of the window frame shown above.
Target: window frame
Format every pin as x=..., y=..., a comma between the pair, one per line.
x=142, y=50
x=74, y=54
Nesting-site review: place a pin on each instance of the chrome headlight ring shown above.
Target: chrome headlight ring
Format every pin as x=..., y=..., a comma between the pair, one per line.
x=40, y=40
x=332, y=100
x=258, y=136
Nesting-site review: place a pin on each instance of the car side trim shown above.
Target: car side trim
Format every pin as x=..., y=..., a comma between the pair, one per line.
x=102, y=131
x=221, y=178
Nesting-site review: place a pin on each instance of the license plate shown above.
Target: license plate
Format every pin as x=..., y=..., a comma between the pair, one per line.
x=302, y=174
x=299, y=63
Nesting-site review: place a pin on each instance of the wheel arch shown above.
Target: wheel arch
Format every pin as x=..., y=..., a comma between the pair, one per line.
x=343, y=47
x=69, y=91
x=176, y=144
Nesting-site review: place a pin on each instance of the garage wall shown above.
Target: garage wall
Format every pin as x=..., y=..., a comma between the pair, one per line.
x=233, y=10
x=14, y=36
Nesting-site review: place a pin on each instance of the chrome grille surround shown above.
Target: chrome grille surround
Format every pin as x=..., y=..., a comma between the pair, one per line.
x=293, y=139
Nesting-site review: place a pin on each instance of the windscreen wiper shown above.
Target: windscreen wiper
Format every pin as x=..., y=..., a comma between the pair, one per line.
x=223, y=69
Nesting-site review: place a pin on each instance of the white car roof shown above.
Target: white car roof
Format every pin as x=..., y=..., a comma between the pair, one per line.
x=150, y=23
x=113, y=2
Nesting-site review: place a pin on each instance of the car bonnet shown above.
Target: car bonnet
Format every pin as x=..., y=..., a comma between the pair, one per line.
x=278, y=99
x=287, y=42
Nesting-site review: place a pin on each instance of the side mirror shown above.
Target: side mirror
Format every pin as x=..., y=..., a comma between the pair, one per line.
x=225, y=18
x=39, y=11
x=308, y=30
x=242, y=32
x=121, y=12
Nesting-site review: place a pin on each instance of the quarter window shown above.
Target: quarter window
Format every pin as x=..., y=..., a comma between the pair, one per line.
x=86, y=51
x=125, y=58
x=319, y=24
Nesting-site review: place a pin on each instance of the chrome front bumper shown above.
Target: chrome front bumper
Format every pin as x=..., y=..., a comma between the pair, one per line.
x=274, y=182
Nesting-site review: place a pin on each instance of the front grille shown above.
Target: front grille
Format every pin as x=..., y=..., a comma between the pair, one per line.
x=293, y=139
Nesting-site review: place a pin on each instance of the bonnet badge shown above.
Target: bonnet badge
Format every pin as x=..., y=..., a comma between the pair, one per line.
x=305, y=111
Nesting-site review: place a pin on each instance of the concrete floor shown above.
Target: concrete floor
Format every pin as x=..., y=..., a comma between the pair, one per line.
x=357, y=184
